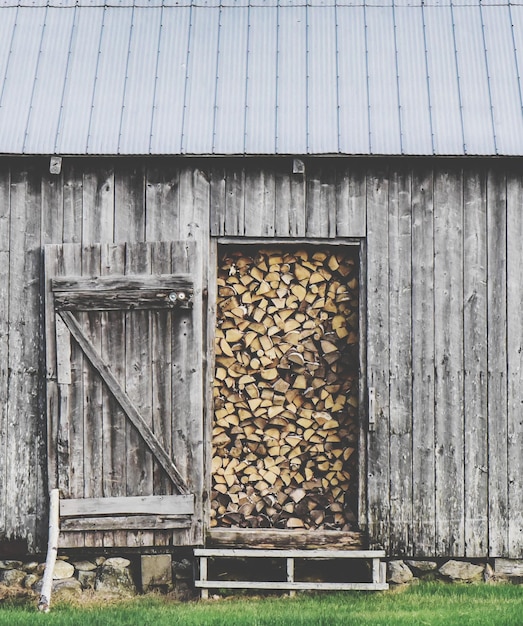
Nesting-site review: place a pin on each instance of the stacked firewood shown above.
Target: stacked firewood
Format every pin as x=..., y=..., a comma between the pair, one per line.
x=286, y=389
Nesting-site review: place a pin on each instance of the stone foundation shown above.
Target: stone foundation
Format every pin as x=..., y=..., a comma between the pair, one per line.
x=117, y=576
x=400, y=572
x=128, y=575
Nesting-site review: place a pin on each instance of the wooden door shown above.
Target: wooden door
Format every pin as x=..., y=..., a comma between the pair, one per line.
x=124, y=380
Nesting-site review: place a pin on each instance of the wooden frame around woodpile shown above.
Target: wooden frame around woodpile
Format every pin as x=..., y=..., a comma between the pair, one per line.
x=222, y=536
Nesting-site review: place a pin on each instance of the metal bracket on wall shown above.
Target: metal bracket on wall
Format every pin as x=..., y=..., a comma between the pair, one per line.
x=372, y=409
x=55, y=165
x=298, y=166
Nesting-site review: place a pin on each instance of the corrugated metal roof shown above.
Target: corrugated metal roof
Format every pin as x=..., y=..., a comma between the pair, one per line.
x=380, y=77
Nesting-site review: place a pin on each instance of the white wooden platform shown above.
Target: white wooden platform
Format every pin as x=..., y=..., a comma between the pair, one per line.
x=378, y=582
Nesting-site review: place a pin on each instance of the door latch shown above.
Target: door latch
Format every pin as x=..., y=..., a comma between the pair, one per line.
x=181, y=299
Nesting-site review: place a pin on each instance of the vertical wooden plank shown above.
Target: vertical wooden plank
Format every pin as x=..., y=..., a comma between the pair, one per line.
x=52, y=208
x=195, y=211
x=93, y=403
x=195, y=202
x=259, y=201
x=217, y=206
x=515, y=361
x=350, y=202
x=182, y=366
x=73, y=201
x=211, y=270
x=235, y=201
x=475, y=362
x=59, y=417
x=497, y=361
x=269, y=202
x=328, y=200
x=24, y=411
x=98, y=205
x=114, y=450
x=72, y=423
x=448, y=324
x=161, y=365
x=190, y=213
x=363, y=391
x=52, y=219
x=254, y=207
x=282, y=200
x=129, y=202
x=378, y=356
x=423, y=375
x=161, y=322
x=400, y=363
x=187, y=390
x=297, y=208
x=161, y=202
x=51, y=262
x=5, y=227
x=70, y=459
x=317, y=224
x=138, y=388
x=52, y=232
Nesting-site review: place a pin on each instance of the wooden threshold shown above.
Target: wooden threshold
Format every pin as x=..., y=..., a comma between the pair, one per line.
x=291, y=554
x=286, y=539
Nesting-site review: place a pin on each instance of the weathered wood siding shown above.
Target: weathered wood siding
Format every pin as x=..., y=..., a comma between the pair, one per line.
x=444, y=293
x=444, y=327
x=327, y=201
x=90, y=202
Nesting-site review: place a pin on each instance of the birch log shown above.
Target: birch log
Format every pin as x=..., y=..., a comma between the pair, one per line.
x=44, y=603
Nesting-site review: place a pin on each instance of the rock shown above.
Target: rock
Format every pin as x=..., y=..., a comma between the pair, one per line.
x=156, y=571
x=37, y=587
x=62, y=570
x=398, y=573
x=113, y=578
x=11, y=565
x=117, y=561
x=86, y=578
x=12, y=577
x=30, y=580
x=489, y=576
x=462, y=571
x=183, y=592
x=66, y=589
x=422, y=567
x=183, y=570
x=84, y=566
x=30, y=567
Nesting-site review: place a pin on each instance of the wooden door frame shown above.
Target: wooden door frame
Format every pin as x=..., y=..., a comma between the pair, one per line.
x=212, y=269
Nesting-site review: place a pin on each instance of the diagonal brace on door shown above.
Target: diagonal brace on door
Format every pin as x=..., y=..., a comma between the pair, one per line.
x=124, y=401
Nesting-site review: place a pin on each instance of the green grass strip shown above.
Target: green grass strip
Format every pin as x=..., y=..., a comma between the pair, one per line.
x=431, y=604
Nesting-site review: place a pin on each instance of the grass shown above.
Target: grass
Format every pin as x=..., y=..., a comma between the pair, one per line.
x=433, y=604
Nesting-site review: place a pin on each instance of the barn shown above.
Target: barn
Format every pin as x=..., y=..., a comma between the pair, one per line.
x=262, y=274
